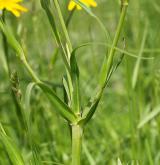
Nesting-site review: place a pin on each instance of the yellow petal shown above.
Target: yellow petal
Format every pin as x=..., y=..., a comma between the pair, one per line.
x=19, y=7
x=93, y=3
x=71, y=5
x=12, y=6
x=78, y=7
x=88, y=3
x=14, y=11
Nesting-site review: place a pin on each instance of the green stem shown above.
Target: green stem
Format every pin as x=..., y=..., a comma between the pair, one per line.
x=31, y=72
x=108, y=61
x=14, y=98
x=5, y=47
x=69, y=18
x=77, y=133
x=63, y=25
x=107, y=65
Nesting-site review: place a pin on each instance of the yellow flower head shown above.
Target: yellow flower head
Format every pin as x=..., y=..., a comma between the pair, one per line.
x=12, y=6
x=88, y=3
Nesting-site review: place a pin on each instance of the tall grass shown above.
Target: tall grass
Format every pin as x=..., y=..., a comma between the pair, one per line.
x=51, y=114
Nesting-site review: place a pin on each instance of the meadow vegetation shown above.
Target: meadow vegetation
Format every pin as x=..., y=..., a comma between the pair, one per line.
x=125, y=128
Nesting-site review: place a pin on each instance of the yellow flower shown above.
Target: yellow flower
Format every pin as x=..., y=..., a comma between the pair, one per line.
x=12, y=6
x=88, y=3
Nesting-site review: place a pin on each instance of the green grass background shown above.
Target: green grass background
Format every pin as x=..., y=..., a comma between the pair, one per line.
x=113, y=132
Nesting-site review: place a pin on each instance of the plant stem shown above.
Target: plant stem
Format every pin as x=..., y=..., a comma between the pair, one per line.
x=63, y=25
x=107, y=65
x=31, y=72
x=14, y=98
x=69, y=18
x=108, y=61
x=77, y=133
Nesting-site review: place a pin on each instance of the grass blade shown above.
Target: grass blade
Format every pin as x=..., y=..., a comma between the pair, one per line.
x=11, y=149
x=150, y=116
x=119, y=162
x=11, y=40
x=59, y=105
x=89, y=11
x=137, y=65
x=27, y=102
x=75, y=82
x=88, y=155
x=45, y=5
x=89, y=110
x=106, y=68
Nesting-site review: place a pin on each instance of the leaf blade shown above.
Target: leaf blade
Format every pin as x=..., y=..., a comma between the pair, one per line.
x=11, y=149
x=61, y=107
x=75, y=83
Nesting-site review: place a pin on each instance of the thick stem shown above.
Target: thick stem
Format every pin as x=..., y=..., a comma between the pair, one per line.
x=77, y=133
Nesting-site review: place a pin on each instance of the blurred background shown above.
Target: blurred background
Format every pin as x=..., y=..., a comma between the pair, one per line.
x=126, y=125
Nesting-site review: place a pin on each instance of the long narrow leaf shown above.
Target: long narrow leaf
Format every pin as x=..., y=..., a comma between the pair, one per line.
x=89, y=110
x=11, y=149
x=110, y=46
x=11, y=40
x=59, y=105
x=106, y=68
x=138, y=62
x=35, y=155
x=75, y=82
x=89, y=11
x=27, y=102
x=150, y=116
x=67, y=92
x=47, y=7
